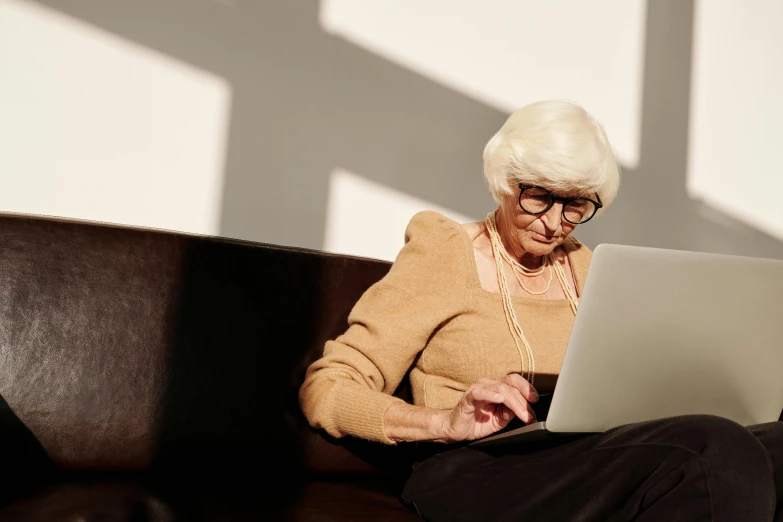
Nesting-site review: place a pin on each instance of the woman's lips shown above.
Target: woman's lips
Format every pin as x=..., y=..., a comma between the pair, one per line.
x=543, y=238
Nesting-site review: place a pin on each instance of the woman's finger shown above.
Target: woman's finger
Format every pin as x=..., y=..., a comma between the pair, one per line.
x=485, y=394
x=497, y=392
x=514, y=400
x=504, y=414
x=523, y=385
x=532, y=414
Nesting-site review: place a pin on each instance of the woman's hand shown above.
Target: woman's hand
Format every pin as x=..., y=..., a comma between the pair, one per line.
x=488, y=406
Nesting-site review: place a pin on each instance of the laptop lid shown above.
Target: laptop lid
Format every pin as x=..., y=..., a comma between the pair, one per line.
x=662, y=333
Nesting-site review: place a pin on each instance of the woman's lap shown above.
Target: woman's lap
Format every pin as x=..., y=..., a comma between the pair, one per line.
x=701, y=467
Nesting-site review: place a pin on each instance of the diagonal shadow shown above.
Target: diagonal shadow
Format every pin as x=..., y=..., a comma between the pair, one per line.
x=653, y=208
x=305, y=102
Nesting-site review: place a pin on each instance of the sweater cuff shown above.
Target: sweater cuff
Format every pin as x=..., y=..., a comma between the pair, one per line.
x=358, y=410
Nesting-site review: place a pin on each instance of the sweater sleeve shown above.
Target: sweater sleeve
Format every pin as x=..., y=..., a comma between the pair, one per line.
x=348, y=389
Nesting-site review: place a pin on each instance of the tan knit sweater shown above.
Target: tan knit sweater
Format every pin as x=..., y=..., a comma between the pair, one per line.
x=431, y=316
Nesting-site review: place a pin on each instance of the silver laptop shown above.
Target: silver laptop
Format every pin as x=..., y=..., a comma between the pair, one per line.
x=661, y=333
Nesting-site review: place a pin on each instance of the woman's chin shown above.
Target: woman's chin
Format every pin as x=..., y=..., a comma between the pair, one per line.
x=539, y=248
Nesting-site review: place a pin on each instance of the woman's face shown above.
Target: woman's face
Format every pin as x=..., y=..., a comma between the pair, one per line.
x=536, y=234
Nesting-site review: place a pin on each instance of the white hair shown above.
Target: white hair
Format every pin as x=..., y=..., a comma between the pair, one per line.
x=555, y=144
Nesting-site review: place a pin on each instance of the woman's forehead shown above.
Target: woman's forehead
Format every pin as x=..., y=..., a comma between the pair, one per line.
x=567, y=193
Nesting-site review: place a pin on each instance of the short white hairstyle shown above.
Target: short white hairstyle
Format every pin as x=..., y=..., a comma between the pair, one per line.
x=555, y=144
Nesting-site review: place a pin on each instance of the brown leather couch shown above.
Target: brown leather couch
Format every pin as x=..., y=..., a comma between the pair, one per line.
x=152, y=375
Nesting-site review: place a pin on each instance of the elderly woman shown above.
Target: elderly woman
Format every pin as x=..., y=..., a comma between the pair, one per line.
x=478, y=316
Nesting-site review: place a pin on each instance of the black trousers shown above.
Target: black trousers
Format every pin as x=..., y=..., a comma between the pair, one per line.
x=694, y=467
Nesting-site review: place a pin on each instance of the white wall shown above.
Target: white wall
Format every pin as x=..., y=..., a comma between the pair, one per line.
x=507, y=53
x=95, y=127
x=367, y=219
x=736, y=120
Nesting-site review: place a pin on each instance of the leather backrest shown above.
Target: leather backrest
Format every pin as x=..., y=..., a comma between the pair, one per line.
x=124, y=348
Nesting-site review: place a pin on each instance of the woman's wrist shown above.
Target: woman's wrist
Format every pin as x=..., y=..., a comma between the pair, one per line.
x=405, y=422
x=442, y=430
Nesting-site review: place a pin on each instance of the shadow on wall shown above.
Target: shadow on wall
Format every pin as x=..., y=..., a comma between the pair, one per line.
x=306, y=102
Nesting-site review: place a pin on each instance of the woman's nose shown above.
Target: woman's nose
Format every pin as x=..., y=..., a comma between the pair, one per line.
x=551, y=217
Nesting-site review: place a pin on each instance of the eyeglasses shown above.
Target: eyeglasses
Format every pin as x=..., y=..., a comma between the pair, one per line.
x=538, y=200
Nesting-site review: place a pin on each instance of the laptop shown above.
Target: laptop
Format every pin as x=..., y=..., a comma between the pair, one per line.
x=661, y=333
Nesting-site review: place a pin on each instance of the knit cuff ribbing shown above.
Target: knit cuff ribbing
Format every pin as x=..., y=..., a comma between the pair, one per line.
x=358, y=410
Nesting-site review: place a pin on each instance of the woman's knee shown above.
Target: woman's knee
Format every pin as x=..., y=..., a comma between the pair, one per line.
x=733, y=458
x=703, y=434
x=712, y=436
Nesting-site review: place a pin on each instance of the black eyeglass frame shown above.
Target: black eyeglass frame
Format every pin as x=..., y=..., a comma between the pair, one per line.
x=554, y=199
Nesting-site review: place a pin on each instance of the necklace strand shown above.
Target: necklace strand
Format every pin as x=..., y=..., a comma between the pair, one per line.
x=530, y=272
x=516, y=265
x=500, y=254
x=535, y=292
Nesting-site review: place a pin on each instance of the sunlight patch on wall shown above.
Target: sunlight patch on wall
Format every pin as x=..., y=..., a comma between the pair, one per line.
x=508, y=53
x=364, y=218
x=97, y=127
x=734, y=160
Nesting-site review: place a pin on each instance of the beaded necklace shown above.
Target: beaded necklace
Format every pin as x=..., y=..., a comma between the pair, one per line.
x=500, y=254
